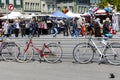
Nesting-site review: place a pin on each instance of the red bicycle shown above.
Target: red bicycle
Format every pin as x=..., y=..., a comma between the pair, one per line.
x=51, y=53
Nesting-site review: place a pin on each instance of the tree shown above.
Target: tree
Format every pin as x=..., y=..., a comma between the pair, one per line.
x=115, y=3
x=103, y=4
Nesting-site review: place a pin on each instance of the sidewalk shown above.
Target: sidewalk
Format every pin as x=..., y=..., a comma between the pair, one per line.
x=117, y=35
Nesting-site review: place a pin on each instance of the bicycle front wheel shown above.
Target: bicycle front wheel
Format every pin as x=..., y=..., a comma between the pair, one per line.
x=25, y=54
x=112, y=54
x=83, y=53
x=8, y=50
x=52, y=53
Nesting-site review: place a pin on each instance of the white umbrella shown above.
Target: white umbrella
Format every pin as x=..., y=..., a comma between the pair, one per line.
x=8, y=17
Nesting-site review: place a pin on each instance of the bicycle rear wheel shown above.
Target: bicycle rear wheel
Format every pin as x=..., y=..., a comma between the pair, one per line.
x=52, y=53
x=112, y=54
x=83, y=53
x=8, y=51
x=25, y=54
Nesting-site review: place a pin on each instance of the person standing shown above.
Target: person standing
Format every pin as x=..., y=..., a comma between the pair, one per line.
x=106, y=26
x=33, y=28
x=66, y=27
x=5, y=28
x=96, y=25
x=27, y=27
x=75, y=28
x=22, y=27
x=17, y=27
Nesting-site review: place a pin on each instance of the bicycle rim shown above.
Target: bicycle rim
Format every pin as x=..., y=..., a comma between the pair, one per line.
x=113, y=56
x=24, y=55
x=53, y=53
x=83, y=53
x=8, y=51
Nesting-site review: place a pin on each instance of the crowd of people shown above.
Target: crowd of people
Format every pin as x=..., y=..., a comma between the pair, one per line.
x=72, y=27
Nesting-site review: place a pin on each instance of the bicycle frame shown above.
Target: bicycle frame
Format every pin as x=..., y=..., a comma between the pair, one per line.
x=96, y=47
x=40, y=51
x=91, y=40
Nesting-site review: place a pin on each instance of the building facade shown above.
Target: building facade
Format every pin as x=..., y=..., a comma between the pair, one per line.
x=39, y=6
x=70, y=4
x=47, y=6
x=29, y=6
x=4, y=5
x=77, y=6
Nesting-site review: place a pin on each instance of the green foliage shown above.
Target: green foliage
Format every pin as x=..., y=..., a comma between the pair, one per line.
x=105, y=3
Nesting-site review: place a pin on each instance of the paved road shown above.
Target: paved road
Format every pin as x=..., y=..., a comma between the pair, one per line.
x=60, y=71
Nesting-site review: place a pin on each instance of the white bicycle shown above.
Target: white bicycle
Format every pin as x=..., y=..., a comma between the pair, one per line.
x=84, y=52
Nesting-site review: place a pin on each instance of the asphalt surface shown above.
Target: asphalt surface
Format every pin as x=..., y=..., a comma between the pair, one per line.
x=58, y=71
x=65, y=70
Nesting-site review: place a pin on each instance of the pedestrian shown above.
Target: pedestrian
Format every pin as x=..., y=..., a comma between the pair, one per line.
x=33, y=28
x=96, y=25
x=55, y=27
x=22, y=27
x=106, y=28
x=5, y=28
x=27, y=27
x=75, y=28
x=66, y=27
x=17, y=28
x=79, y=26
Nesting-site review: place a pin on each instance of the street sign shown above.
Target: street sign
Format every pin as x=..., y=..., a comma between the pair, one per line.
x=10, y=7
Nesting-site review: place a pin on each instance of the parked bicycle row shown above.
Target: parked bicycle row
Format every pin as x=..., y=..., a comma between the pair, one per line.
x=52, y=53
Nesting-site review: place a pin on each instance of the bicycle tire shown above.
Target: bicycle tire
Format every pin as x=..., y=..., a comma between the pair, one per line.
x=8, y=50
x=83, y=53
x=25, y=55
x=52, y=53
x=112, y=54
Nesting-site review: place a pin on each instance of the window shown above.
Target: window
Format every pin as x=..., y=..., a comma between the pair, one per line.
x=11, y=1
x=71, y=8
x=36, y=6
x=33, y=6
x=48, y=7
x=53, y=7
x=2, y=1
x=43, y=7
x=18, y=2
x=26, y=5
x=58, y=8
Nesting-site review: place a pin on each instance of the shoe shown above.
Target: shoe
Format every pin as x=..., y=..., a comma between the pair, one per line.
x=54, y=35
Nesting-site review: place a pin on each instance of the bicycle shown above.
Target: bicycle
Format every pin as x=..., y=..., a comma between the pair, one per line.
x=8, y=49
x=84, y=52
x=51, y=52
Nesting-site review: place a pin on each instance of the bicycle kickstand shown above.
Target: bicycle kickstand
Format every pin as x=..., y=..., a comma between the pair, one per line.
x=100, y=60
